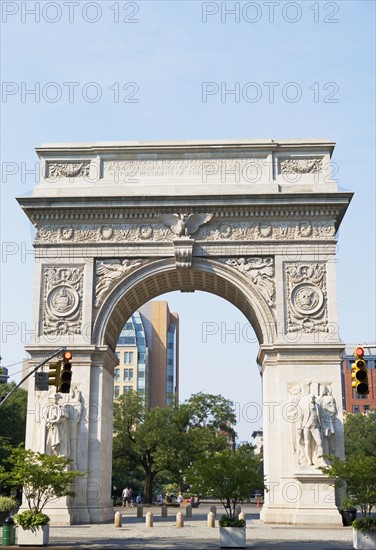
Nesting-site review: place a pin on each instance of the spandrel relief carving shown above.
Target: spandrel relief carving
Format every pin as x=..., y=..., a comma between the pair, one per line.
x=260, y=270
x=306, y=298
x=108, y=273
x=62, y=299
x=311, y=413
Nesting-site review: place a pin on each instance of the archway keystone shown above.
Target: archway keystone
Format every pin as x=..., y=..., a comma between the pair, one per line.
x=255, y=222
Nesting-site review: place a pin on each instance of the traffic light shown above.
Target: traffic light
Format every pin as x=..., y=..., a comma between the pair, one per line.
x=359, y=372
x=54, y=373
x=66, y=373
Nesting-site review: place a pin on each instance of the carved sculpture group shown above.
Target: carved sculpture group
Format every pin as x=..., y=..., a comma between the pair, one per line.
x=312, y=425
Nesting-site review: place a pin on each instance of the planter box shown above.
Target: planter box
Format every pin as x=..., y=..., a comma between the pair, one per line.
x=232, y=537
x=348, y=516
x=364, y=541
x=37, y=537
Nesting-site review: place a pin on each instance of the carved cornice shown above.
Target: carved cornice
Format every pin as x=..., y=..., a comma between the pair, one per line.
x=117, y=213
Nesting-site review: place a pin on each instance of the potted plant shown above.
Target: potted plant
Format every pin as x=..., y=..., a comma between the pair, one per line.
x=364, y=533
x=229, y=476
x=348, y=511
x=43, y=478
x=7, y=504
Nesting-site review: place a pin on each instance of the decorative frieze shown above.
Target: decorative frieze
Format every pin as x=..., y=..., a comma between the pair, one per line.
x=214, y=231
x=306, y=297
x=57, y=170
x=300, y=165
x=260, y=270
x=62, y=299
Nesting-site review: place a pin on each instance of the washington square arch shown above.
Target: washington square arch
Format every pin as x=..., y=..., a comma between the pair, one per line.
x=252, y=221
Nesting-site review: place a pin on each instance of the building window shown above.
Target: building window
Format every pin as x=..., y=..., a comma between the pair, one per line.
x=366, y=408
x=356, y=395
x=128, y=357
x=116, y=391
x=118, y=355
x=126, y=389
x=355, y=409
x=141, y=374
x=117, y=375
x=128, y=375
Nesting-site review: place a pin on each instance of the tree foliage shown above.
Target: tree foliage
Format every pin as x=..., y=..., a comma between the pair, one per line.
x=42, y=477
x=360, y=434
x=228, y=475
x=358, y=473
x=166, y=440
x=12, y=419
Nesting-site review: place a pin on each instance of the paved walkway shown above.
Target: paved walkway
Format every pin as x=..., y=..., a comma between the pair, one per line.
x=195, y=534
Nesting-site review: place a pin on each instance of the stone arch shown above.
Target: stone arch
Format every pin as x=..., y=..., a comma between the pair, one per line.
x=193, y=217
x=161, y=276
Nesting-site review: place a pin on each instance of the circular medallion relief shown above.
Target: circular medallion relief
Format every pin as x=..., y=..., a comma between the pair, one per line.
x=62, y=301
x=307, y=299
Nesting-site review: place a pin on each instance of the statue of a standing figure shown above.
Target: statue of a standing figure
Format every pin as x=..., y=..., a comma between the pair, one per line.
x=57, y=428
x=328, y=412
x=310, y=428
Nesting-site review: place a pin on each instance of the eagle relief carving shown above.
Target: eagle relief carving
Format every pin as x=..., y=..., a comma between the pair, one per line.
x=185, y=225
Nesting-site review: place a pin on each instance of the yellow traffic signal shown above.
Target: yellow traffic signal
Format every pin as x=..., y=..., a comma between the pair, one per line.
x=66, y=373
x=54, y=373
x=359, y=372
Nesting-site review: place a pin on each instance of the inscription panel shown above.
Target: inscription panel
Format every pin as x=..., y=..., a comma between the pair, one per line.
x=237, y=170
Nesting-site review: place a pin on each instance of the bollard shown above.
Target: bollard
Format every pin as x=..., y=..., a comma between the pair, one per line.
x=149, y=519
x=179, y=520
x=140, y=511
x=213, y=510
x=211, y=519
x=188, y=511
x=242, y=516
x=164, y=511
x=118, y=522
x=238, y=509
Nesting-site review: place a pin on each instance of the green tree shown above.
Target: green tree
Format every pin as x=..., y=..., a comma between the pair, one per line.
x=42, y=477
x=12, y=419
x=358, y=473
x=164, y=441
x=360, y=434
x=227, y=475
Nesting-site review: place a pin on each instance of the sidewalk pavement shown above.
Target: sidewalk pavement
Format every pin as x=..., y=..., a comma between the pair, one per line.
x=195, y=534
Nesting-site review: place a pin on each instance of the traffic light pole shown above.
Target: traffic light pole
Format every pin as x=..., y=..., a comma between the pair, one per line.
x=32, y=372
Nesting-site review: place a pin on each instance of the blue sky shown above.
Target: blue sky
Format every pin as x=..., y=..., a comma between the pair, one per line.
x=163, y=58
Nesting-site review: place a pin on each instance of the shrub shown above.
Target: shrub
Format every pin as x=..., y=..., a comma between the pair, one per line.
x=226, y=521
x=29, y=519
x=365, y=524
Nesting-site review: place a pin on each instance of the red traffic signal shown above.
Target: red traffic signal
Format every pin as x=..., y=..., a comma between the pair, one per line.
x=66, y=373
